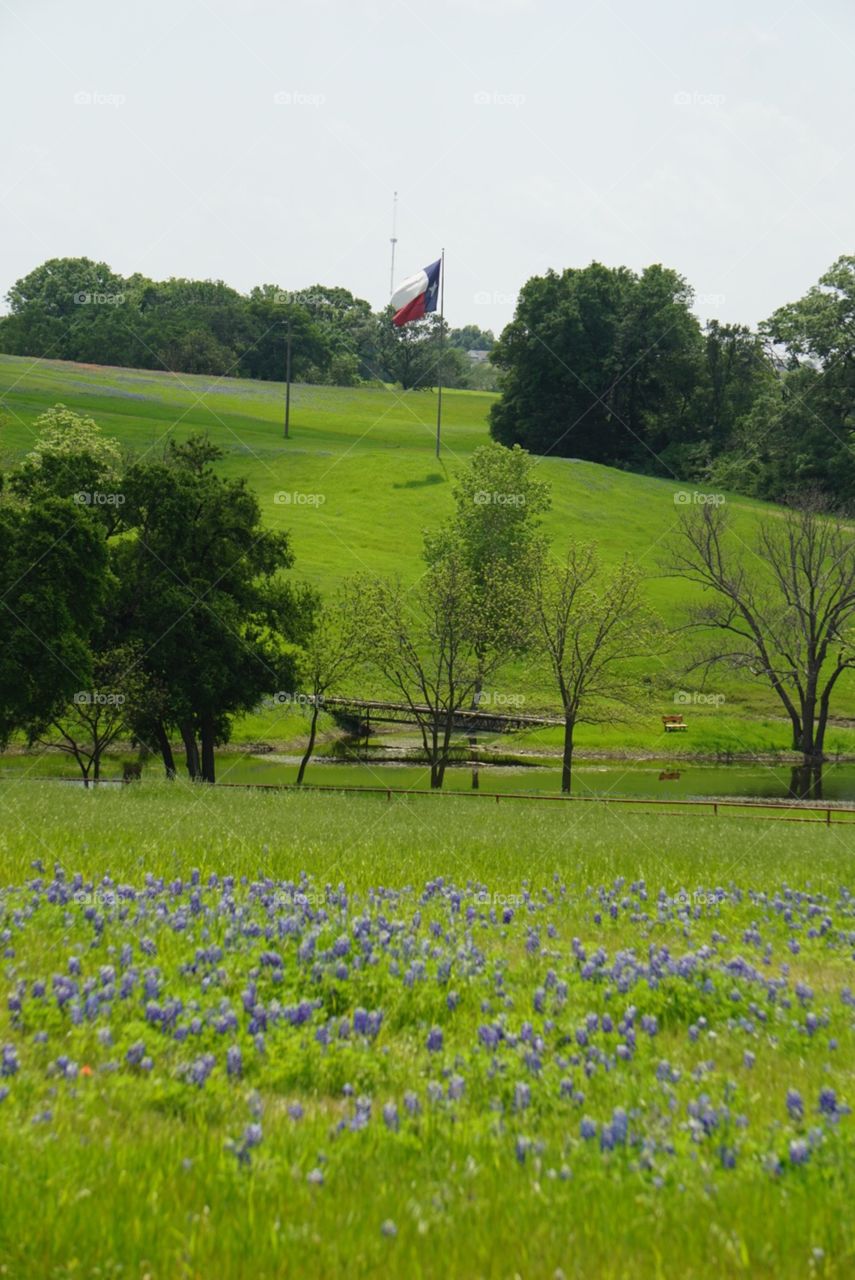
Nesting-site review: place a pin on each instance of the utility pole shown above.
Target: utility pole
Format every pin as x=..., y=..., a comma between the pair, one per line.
x=288, y=378
x=441, y=352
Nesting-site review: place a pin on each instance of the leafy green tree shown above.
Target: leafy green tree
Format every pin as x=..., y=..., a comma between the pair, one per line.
x=53, y=581
x=202, y=595
x=414, y=354
x=821, y=325
x=803, y=437
x=54, y=308
x=733, y=374
x=270, y=310
x=72, y=458
x=498, y=505
x=598, y=363
x=95, y=717
x=472, y=338
x=590, y=624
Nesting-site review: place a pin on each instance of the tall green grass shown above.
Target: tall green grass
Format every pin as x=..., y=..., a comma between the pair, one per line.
x=123, y=1172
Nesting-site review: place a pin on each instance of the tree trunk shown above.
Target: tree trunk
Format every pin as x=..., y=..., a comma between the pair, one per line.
x=207, y=736
x=165, y=747
x=807, y=744
x=473, y=741
x=191, y=750
x=806, y=781
x=567, y=759
x=310, y=745
x=442, y=759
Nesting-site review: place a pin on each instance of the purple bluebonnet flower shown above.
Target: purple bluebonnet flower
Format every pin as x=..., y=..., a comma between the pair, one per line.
x=388, y=1228
x=748, y=1058
x=607, y=1138
x=828, y=1102
x=200, y=1068
x=588, y=1128
x=135, y=1054
x=434, y=1040
x=456, y=1087
x=315, y=1177
x=795, y=1106
x=411, y=1102
x=522, y=1148
x=799, y=1151
x=9, y=1063
x=620, y=1124
x=390, y=1117
x=295, y=1111
x=361, y=1113
x=522, y=1096
x=489, y=1036
x=234, y=1061
x=251, y=1138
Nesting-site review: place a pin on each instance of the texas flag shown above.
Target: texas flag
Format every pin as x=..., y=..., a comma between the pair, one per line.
x=417, y=296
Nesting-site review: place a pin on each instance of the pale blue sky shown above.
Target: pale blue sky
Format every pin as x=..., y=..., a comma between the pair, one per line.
x=261, y=140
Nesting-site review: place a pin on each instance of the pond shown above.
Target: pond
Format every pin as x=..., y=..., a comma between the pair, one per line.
x=658, y=779
x=664, y=780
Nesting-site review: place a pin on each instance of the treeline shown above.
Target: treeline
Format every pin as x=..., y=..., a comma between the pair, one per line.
x=612, y=366
x=143, y=597
x=76, y=309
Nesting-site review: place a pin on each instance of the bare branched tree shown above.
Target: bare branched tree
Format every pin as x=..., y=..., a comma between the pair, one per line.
x=782, y=608
x=436, y=642
x=590, y=622
x=336, y=646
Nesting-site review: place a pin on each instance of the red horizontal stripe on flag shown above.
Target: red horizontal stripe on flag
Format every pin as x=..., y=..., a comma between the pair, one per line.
x=412, y=311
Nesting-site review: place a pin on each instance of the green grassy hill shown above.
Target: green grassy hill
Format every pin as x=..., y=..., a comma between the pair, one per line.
x=363, y=483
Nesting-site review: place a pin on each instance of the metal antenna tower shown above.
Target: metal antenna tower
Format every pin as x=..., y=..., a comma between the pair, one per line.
x=394, y=241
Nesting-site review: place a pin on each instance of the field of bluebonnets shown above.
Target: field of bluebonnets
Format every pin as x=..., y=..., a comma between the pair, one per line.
x=275, y=1035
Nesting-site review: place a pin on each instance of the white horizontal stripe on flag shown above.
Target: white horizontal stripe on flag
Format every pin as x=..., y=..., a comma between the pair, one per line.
x=409, y=289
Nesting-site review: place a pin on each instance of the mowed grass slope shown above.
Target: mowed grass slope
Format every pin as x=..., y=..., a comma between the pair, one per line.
x=361, y=484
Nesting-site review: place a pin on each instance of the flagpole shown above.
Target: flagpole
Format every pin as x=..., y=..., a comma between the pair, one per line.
x=288, y=380
x=441, y=329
